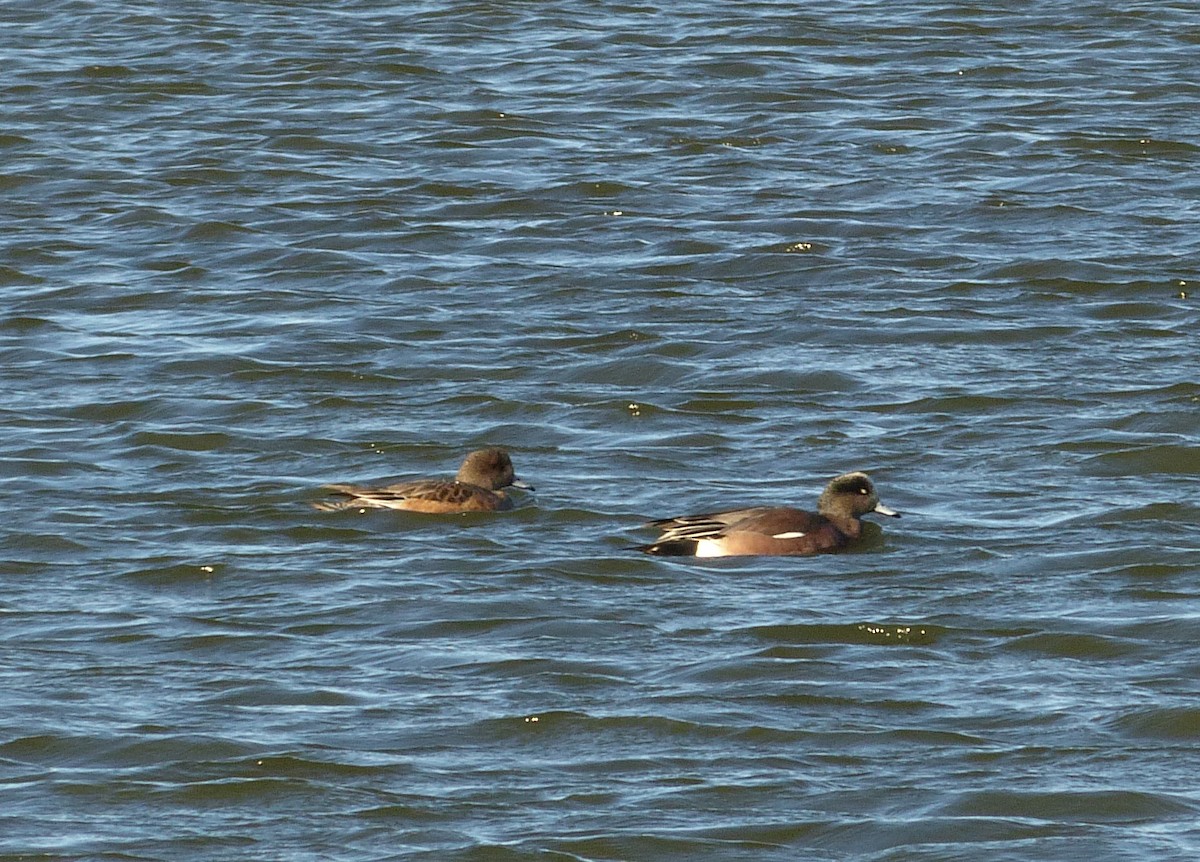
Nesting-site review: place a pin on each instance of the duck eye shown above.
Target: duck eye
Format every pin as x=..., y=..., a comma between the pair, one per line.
x=862, y=490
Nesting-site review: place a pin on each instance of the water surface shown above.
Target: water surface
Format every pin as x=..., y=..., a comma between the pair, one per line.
x=672, y=257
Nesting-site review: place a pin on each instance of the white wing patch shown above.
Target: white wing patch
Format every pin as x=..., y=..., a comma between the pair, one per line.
x=792, y=535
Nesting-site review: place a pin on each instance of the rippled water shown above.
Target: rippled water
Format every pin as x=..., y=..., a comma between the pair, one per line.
x=672, y=257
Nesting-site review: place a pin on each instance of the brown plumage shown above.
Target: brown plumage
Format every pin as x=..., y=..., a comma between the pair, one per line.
x=476, y=488
x=777, y=530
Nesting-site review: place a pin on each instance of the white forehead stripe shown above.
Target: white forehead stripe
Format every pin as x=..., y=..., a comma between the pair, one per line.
x=793, y=535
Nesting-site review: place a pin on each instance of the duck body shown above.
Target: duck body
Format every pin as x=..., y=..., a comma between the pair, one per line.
x=478, y=487
x=773, y=530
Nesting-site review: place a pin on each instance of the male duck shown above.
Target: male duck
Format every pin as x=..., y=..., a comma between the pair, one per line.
x=774, y=529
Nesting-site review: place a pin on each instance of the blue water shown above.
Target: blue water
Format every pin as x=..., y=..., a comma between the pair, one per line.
x=673, y=258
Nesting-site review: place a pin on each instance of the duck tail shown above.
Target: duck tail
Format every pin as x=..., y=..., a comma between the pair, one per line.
x=335, y=505
x=669, y=548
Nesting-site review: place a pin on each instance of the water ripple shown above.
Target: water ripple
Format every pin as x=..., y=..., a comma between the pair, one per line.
x=676, y=258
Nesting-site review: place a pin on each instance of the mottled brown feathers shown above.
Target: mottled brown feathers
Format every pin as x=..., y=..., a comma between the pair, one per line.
x=477, y=488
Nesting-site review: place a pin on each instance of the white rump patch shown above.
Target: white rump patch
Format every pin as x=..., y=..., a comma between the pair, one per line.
x=793, y=535
x=710, y=548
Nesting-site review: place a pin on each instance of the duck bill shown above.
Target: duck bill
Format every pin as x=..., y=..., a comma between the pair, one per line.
x=524, y=486
x=881, y=509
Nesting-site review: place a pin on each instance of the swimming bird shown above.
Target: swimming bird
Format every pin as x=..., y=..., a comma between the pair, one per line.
x=773, y=529
x=476, y=488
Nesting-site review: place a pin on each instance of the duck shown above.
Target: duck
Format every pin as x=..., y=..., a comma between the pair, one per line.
x=773, y=530
x=477, y=487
